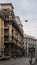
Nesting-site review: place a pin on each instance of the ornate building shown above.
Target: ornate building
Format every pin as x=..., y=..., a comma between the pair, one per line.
x=1, y=35
x=28, y=42
x=13, y=34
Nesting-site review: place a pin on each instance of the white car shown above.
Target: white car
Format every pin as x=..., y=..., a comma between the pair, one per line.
x=2, y=57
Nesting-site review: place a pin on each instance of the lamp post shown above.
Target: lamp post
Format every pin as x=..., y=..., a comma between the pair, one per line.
x=26, y=20
x=26, y=39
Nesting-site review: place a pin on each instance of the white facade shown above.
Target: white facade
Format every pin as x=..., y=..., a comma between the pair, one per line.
x=28, y=40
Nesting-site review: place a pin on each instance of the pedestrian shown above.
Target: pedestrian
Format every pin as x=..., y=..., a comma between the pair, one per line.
x=30, y=60
x=15, y=57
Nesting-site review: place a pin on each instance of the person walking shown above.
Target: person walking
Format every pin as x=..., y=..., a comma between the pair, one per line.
x=30, y=61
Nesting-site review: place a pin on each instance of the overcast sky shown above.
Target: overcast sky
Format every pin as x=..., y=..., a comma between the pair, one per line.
x=26, y=9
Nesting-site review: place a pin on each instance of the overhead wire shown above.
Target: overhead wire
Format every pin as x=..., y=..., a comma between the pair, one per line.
x=20, y=1
x=19, y=6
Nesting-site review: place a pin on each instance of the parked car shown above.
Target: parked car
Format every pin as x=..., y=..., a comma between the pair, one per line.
x=0, y=58
x=4, y=57
x=7, y=57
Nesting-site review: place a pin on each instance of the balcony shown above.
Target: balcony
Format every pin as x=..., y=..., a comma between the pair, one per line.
x=9, y=19
x=6, y=34
x=19, y=45
x=6, y=41
x=17, y=27
x=6, y=27
x=15, y=37
x=13, y=41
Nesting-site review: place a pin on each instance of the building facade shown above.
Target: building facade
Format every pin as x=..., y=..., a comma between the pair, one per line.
x=28, y=42
x=1, y=35
x=13, y=34
x=17, y=18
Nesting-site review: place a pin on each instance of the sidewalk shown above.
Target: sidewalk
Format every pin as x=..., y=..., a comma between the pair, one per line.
x=33, y=61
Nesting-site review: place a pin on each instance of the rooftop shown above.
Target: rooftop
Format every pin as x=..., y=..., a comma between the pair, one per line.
x=7, y=4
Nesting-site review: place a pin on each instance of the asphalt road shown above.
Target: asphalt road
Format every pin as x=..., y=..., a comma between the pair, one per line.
x=17, y=61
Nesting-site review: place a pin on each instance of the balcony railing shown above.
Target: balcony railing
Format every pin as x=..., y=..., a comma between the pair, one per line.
x=19, y=45
x=6, y=27
x=6, y=34
x=9, y=19
x=14, y=37
x=6, y=41
x=19, y=40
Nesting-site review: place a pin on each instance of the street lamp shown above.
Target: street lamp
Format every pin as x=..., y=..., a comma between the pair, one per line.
x=26, y=20
x=26, y=39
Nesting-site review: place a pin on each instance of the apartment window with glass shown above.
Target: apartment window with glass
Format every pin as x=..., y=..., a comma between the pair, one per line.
x=7, y=17
x=12, y=31
x=6, y=31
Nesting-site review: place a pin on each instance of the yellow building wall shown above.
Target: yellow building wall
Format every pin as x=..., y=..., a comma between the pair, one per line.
x=1, y=35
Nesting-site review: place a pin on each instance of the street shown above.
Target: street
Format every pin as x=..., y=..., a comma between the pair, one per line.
x=35, y=63
x=18, y=36
x=17, y=61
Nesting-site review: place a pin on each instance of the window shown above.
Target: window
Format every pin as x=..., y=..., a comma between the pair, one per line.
x=6, y=31
x=6, y=38
x=6, y=23
x=4, y=9
x=7, y=17
x=12, y=30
